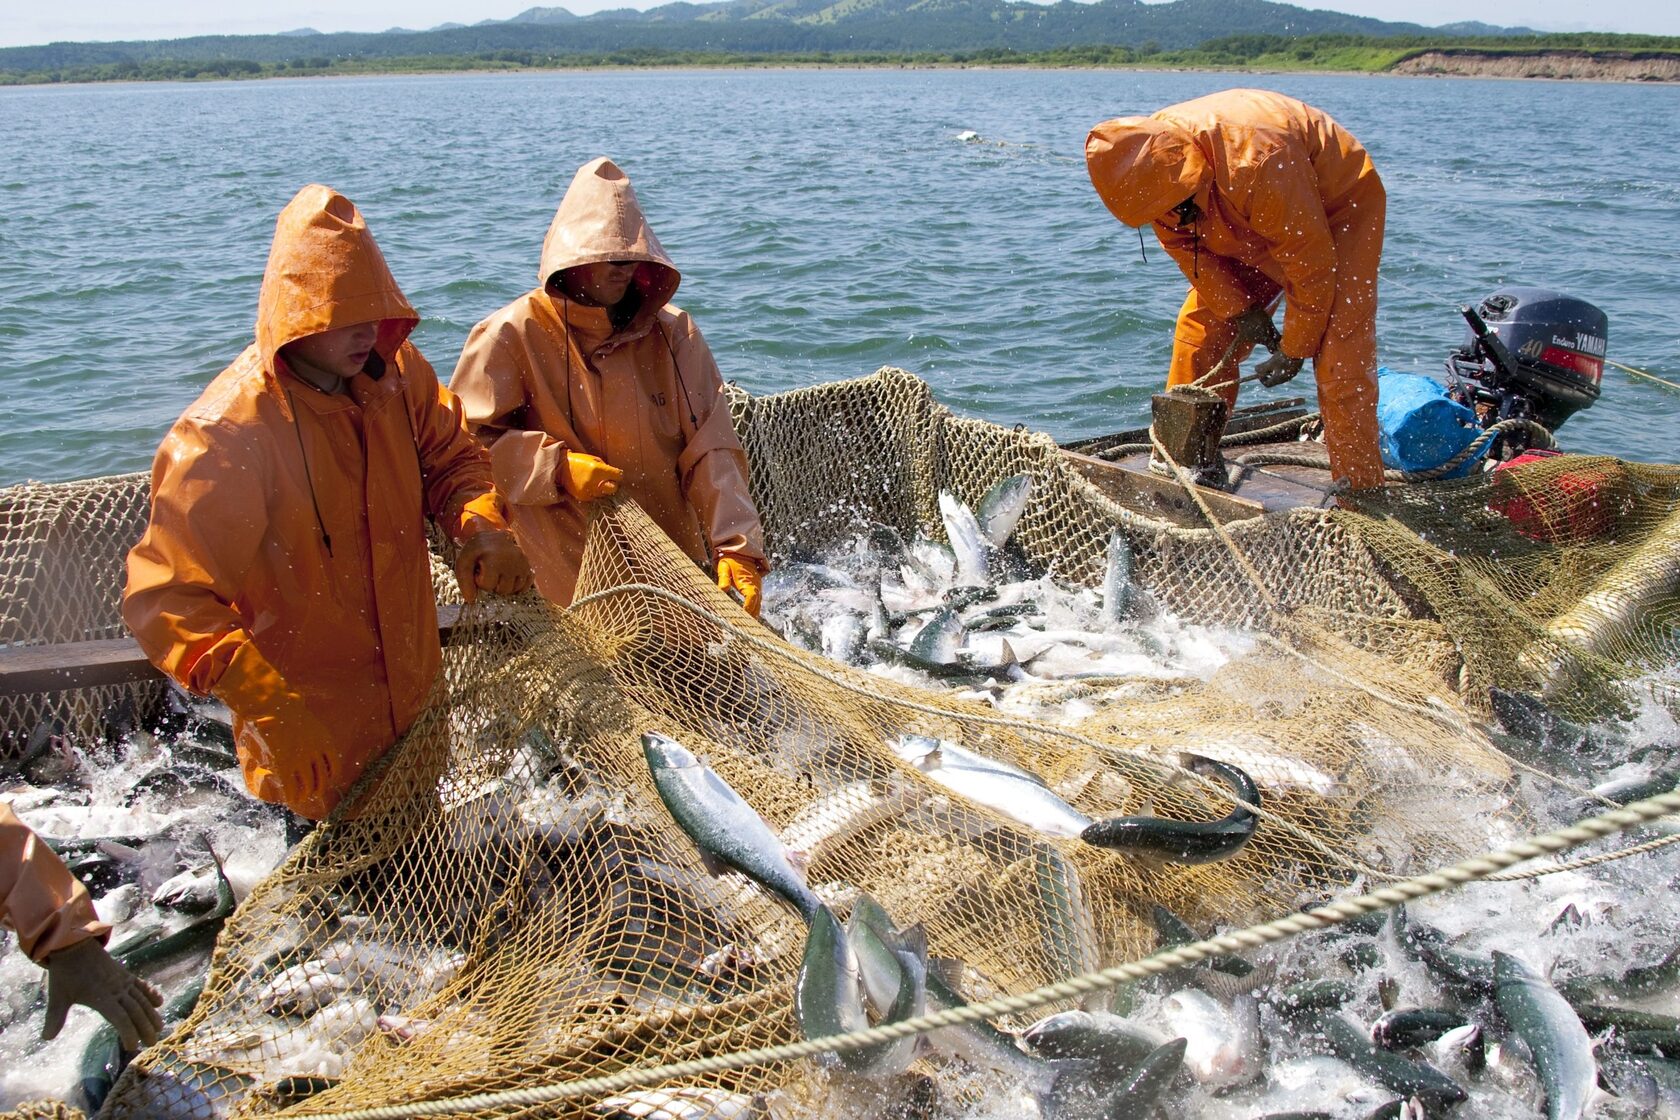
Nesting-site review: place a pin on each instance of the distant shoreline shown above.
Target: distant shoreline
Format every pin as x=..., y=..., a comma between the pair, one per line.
x=1631, y=67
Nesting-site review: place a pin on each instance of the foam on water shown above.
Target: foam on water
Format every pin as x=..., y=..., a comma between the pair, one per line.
x=249, y=838
x=1595, y=922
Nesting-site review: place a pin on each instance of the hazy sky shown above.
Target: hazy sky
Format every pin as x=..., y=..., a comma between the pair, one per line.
x=30, y=21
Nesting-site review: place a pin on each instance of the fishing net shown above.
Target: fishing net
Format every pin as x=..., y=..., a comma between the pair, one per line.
x=512, y=904
x=62, y=553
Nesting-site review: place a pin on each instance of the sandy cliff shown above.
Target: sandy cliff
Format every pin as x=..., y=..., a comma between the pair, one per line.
x=1596, y=67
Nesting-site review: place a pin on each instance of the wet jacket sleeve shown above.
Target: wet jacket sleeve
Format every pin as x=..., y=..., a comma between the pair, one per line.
x=209, y=518
x=39, y=898
x=1211, y=275
x=489, y=381
x=209, y=514
x=459, y=490
x=1287, y=210
x=712, y=466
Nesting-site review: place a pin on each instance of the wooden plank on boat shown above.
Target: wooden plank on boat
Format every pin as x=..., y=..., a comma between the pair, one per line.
x=1160, y=497
x=45, y=668
x=49, y=668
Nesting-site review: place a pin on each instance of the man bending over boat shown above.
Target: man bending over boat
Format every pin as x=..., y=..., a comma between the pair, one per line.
x=285, y=568
x=1258, y=195
x=593, y=383
x=58, y=930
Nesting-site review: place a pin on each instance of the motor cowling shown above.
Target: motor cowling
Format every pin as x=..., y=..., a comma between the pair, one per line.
x=1535, y=352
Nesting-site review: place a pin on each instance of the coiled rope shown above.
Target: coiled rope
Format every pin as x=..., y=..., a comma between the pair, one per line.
x=1335, y=913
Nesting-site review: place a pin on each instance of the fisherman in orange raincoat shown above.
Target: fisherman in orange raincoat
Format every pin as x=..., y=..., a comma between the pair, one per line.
x=58, y=929
x=285, y=568
x=594, y=383
x=1255, y=194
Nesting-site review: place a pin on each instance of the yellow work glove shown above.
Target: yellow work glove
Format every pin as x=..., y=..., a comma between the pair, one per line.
x=743, y=578
x=587, y=477
x=85, y=973
x=491, y=559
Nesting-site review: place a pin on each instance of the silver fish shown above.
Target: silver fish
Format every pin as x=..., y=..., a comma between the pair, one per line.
x=1005, y=789
x=841, y=636
x=1111, y=1041
x=963, y=531
x=893, y=971
x=1544, y=1020
x=1117, y=580
x=1225, y=1047
x=828, y=996
x=726, y=829
x=1141, y=1086
x=837, y=817
x=193, y=891
x=683, y=1104
x=1000, y=510
x=938, y=641
x=1069, y=933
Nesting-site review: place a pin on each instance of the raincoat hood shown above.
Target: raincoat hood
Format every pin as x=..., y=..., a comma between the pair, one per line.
x=600, y=220
x=1143, y=167
x=325, y=272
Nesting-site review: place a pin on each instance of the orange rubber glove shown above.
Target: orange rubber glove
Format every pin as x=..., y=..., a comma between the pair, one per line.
x=743, y=578
x=287, y=753
x=490, y=559
x=587, y=477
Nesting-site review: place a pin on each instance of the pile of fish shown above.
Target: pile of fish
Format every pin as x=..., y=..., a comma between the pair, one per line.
x=1320, y=1029
x=972, y=613
x=157, y=825
x=1556, y=997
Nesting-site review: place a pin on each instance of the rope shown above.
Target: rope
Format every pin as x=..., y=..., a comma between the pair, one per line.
x=1516, y=423
x=1290, y=428
x=1215, y=370
x=1642, y=373
x=1280, y=617
x=1264, y=435
x=1323, y=917
x=1322, y=461
x=1588, y=861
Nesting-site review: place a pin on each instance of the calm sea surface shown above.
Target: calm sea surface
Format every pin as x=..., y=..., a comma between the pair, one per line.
x=826, y=222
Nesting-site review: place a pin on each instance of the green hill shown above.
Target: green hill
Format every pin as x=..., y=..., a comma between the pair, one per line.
x=1224, y=33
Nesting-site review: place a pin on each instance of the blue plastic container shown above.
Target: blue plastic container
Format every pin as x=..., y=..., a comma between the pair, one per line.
x=1421, y=427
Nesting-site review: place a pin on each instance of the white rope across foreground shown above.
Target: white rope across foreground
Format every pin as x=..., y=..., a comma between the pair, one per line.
x=1469, y=871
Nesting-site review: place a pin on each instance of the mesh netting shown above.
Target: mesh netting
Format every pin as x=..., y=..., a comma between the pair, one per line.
x=62, y=554
x=514, y=905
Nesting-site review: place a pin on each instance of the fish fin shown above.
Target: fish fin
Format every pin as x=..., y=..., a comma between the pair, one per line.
x=948, y=971
x=913, y=940
x=1006, y=654
x=714, y=866
x=800, y=861
x=1226, y=987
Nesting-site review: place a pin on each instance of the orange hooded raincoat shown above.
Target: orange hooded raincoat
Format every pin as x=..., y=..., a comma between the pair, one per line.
x=39, y=898
x=1290, y=204
x=285, y=567
x=546, y=375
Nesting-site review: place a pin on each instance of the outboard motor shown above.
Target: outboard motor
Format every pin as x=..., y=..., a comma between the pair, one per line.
x=1531, y=353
